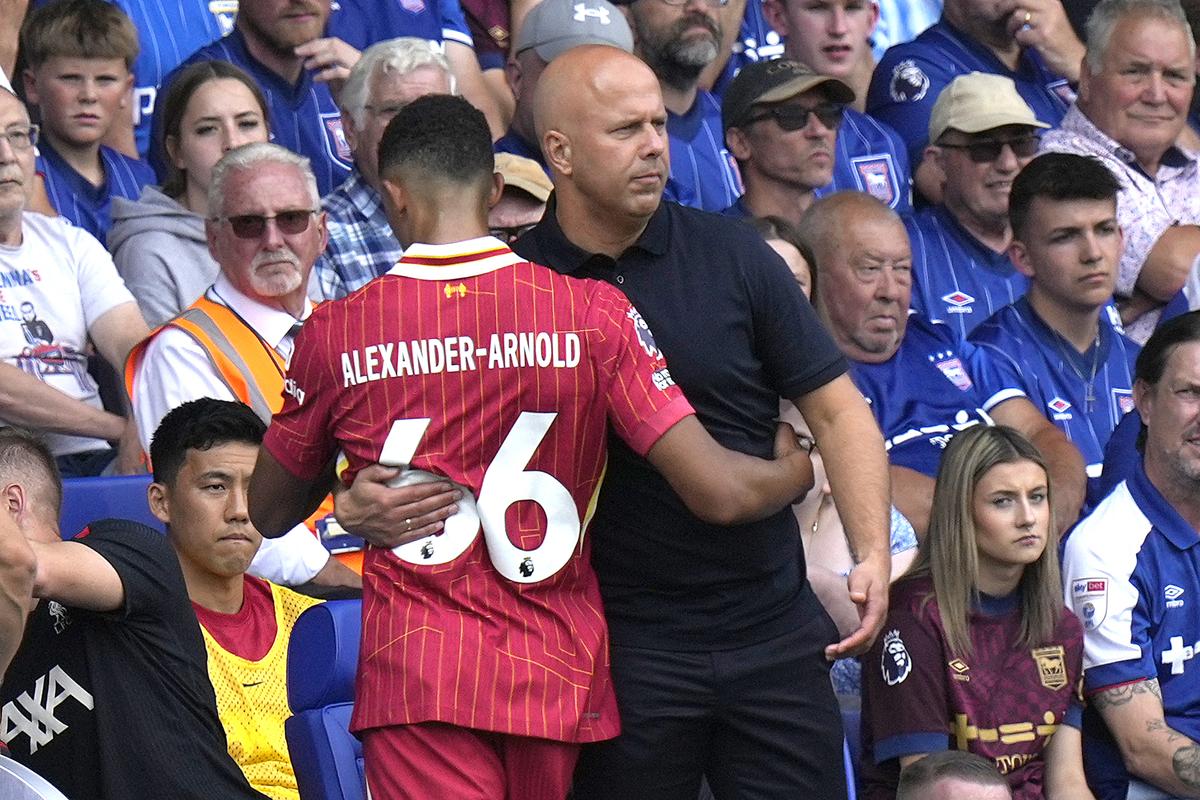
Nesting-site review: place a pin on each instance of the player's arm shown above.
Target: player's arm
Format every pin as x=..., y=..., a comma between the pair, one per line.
x=852, y=449
x=1063, y=755
x=1068, y=474
x=1151, y=749
x=726, y=487
x=280, y=500
x=76, y=575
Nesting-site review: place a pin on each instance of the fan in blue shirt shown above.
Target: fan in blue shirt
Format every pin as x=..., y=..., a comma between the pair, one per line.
x=1042, y=57
x=781, y=120
x=983, y=134
x=79, y=54
x=833, y=38
x=1131, y=573
x=678, y=40
x=1062, y=342
x=923, y=383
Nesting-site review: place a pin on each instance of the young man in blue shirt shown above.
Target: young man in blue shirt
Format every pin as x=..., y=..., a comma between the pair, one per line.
x=79, y=53
x=1062, y=342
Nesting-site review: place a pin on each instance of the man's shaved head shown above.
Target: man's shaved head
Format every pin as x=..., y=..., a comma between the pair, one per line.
x=601, y=124
x=573, y=83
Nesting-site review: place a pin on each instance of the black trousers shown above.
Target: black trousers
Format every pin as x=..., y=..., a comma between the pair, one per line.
x=759, y=722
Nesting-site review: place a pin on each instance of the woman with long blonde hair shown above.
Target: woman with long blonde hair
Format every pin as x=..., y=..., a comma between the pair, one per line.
x=978, y=652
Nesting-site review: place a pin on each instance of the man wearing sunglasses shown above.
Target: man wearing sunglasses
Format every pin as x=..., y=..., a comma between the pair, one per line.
x=265, y=231
x=983, y=133
x=781, y=124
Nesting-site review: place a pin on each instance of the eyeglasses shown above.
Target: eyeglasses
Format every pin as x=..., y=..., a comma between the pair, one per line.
x=21, y=137
x=983, y=151
x=511, y=234
x=793, y=117
x=251, y=226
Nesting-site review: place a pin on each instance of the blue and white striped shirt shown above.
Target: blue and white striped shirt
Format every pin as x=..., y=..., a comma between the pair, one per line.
x=87, y=206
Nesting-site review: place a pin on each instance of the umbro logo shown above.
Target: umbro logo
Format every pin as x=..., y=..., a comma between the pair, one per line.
x=1172, y=594
x=958, y=299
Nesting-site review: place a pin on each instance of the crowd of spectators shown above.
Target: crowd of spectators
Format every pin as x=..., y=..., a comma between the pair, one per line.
x=889, y=310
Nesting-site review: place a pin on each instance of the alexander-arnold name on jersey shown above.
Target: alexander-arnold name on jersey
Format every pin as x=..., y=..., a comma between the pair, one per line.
x=459, y=354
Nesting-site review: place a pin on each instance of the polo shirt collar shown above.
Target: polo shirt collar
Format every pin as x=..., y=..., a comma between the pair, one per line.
x=365, y=200
x=568, y=257
x=457, y=260
x=1160, y=513
x=1080, y=124
x=270, y=324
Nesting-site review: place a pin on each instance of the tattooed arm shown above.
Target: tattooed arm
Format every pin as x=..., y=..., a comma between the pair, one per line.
x=1151, y=749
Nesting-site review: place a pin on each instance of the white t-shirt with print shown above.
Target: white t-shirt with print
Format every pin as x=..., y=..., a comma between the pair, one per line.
x=53, y=288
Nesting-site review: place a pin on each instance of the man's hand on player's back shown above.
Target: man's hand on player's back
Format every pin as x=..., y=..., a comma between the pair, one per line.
x=387, y=516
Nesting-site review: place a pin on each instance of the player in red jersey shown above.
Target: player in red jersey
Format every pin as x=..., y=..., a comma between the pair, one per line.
x=484, y=659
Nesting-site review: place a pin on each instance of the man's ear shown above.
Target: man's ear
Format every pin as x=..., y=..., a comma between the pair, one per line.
x=497, y=190
x=739, y=148
x=1143, y=399
x=1018, y=254
x=31, y=90
x=557, y=147
x=776, y=16
x=350, y=130
x=16, y=502
x=393, y=194
x=156, y=496
x=512, y=74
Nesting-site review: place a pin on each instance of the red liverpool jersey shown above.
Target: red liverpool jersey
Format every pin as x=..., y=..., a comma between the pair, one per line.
x=467, y=362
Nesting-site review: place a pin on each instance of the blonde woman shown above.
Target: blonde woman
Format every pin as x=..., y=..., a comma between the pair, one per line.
x=978, y=652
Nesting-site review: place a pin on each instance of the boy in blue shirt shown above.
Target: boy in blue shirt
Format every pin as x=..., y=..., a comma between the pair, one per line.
x=79, y=54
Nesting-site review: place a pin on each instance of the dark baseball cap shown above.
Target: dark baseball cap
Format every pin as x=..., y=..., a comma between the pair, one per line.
x=555, y=26
x=773, y=82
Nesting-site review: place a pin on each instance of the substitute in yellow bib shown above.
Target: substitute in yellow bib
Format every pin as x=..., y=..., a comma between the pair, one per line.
x=203, y=455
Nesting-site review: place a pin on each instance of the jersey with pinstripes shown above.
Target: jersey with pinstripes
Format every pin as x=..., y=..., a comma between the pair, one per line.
x=511, y=373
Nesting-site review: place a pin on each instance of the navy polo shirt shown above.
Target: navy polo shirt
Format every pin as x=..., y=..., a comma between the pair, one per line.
x=737, y=334
x=304, y=117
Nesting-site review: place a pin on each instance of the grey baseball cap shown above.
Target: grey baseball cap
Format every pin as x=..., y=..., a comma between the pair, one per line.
x=555, y=26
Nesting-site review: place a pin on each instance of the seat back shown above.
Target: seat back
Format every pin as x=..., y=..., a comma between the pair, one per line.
x=322, y=661
x=86, y=500
x=19, y=782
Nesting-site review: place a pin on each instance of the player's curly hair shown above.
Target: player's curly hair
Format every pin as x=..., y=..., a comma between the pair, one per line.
x=950, y=553
x=439, y=136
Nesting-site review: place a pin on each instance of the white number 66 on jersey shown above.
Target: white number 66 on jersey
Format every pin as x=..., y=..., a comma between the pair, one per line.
x=505, y=482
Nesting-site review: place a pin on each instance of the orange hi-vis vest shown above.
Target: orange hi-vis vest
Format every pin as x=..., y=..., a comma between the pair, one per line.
x=249, y=367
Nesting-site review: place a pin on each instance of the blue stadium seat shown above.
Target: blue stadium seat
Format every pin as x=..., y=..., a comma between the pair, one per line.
x=86, y=500
x=322, y=660
x=19, y=782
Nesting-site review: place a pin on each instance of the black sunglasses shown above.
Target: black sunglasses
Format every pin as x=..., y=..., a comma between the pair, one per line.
x=251, y=226
x=983, y=151
x=793, y=117
x=511, y=234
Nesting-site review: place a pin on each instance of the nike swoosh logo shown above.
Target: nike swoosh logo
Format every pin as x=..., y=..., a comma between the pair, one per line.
x=251, y=685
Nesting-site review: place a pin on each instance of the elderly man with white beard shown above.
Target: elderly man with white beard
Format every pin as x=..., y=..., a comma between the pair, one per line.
x=265, y=229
